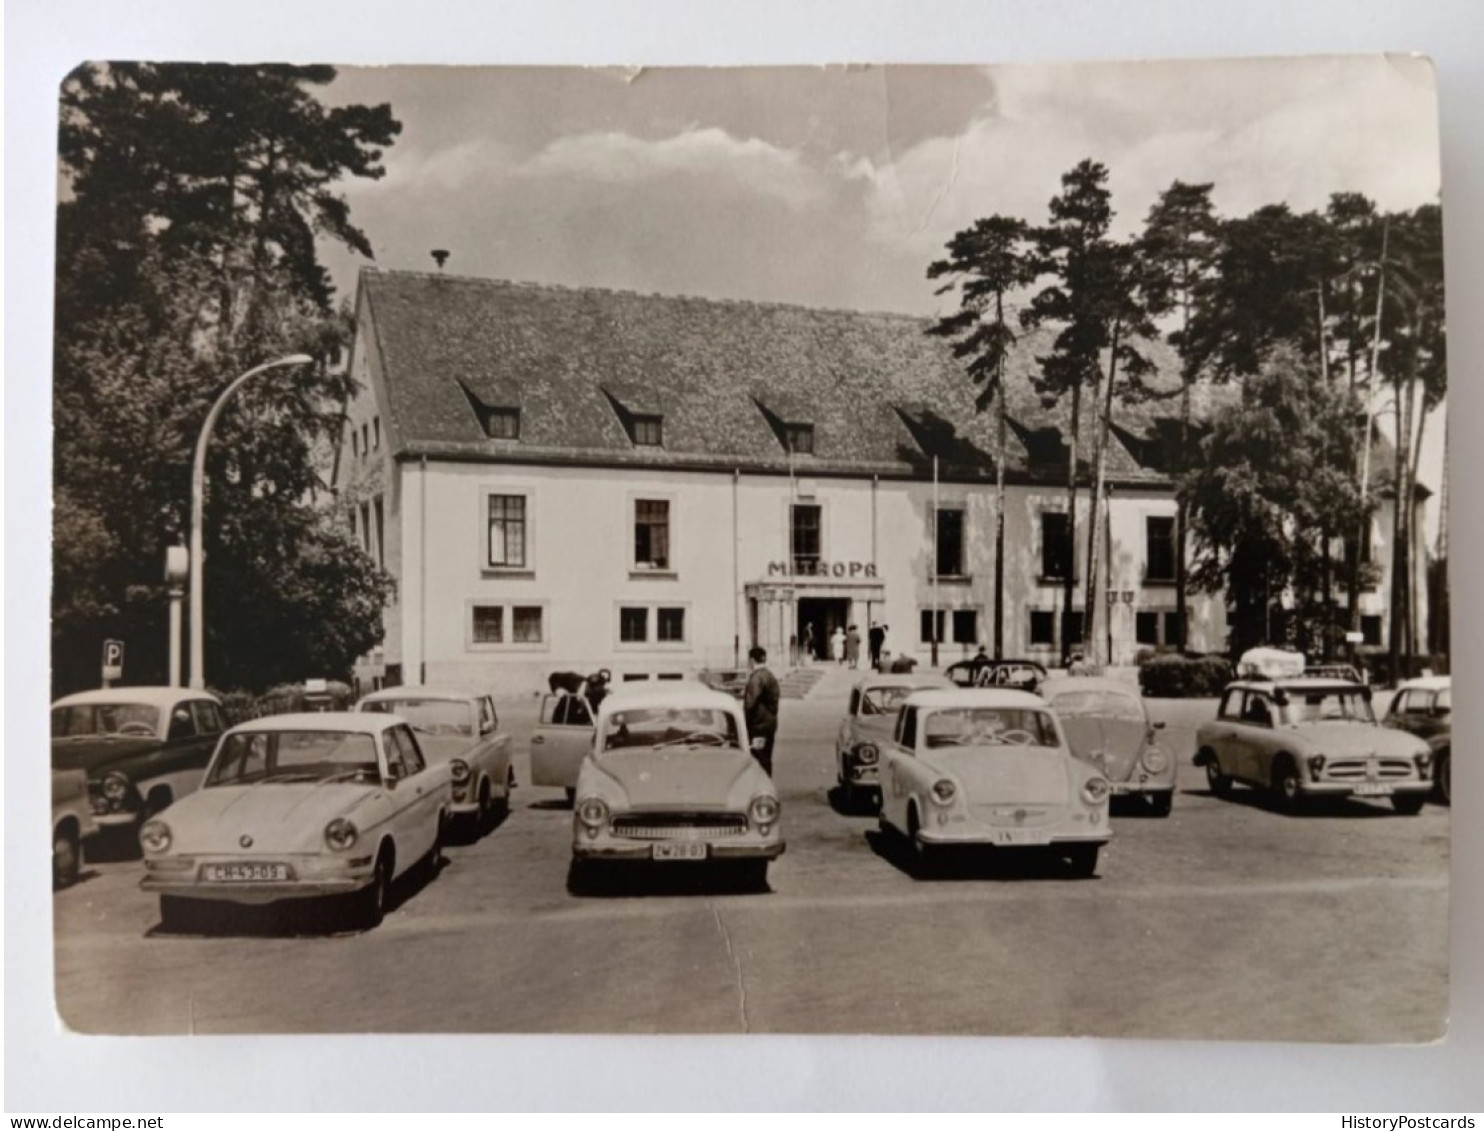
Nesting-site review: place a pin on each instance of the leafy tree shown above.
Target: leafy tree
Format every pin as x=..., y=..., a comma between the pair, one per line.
x=193, y=198
x=1178, y=247
x=986, y=261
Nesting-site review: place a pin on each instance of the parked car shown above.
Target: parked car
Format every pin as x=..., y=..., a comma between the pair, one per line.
x=990, y=767
x=1424, y=707
x=1108, y=727
x=671, y=778
x=561, y=740
x=1307, y=737
x=981, y=671
x=301, y=806
x=72, y=824
x=870, y=720
x=142, y=748
x=460, y=728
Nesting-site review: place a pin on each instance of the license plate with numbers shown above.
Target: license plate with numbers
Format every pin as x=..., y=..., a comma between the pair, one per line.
x=254, y=873
x=1372, y=789
x=679, y=851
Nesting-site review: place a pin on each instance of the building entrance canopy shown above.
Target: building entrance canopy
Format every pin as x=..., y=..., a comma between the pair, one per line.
x=795, y=588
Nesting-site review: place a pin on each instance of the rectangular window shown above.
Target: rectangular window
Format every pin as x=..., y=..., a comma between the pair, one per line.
x=1056, y=547
x=355, y=444
x=925, y=635
x=525, y=624
x=380, y=512
x=1043, y=627
x=950, y=539
x=366, y=527
x=502, y=423
x=965, y=626
x=671, y=625
x=804, y=537
x=1159, y=543
x=652, y=534
x=1370, y=630
x=633, y=624
x=648, y=431
x=1172, y=628
x=1146, y=628
x=365, y=441
x=1072, y=622
x=489, y=624
x=800, y=438
x=507, y=546
x=376, y=433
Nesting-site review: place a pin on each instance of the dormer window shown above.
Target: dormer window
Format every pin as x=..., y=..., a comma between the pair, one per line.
x=502, y=423
x=648, y=431
x=799, y=438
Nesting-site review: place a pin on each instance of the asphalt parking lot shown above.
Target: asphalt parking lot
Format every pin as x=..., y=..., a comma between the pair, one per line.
x=1228, y=919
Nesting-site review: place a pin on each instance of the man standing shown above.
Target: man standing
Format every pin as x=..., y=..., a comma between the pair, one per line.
x=875, y=638
x=760, y=705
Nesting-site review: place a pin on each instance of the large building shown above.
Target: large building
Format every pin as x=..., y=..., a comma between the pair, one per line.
x=569, y=479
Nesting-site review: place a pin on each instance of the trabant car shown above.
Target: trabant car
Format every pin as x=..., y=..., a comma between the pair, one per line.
x=990, y=767
x=1306, y=737
x=870, y=720
x=1108, y=727
x=1424, y=707
x=300, y=806
x=141, y=747
x=671, y=778
x=72, y=823
x=459, y=727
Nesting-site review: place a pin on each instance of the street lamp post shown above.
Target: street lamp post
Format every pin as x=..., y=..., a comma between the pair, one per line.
x=198, y=494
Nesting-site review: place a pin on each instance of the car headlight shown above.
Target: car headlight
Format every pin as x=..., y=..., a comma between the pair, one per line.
x=1316, y=765
x=116, y=787
x=1424, y=761
x=460, y=770
x=1155, y=759
x=944, y=791
x=341, y=834
x=592, y=812
x=1095, y=791
x=155, y=836
x=867, y=754
x=763, y=810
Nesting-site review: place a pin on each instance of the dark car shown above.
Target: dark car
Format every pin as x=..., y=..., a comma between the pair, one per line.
x=142, y=748
x=981, y=671
x=1424, y=707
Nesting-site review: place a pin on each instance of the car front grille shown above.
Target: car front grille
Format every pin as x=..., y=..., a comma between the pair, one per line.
x=1012, y=816
x=680, y=826
x=1359, y=769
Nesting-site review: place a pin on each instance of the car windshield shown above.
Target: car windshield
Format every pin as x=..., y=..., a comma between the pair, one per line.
x=883, y=700
x=679, y=727
x=429, y=716
x=138, y=720
x=294, y=756
x=989, y=726
x=1102, y=704
x=1339, y=705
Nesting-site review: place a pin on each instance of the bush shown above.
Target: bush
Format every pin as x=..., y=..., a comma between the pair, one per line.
x=1181, y=677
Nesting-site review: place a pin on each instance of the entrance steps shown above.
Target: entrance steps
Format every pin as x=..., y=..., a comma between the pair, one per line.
x=799, y=682
x=819, y=680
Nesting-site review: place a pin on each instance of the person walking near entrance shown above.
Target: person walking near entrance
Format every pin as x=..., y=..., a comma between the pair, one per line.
x=876, y=637
x=810, y=648
x=837, y=645
x=852, y=647
x=760, y=706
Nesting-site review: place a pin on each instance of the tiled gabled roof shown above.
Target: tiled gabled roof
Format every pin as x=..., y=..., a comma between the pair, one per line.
x=882, y=395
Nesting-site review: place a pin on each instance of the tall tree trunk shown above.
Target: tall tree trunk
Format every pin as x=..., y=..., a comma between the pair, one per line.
x=1373, y=376
x=1095, y=529
x=1398, y=599
x=1069, y=584
x=999, y=522
x=1416, y=548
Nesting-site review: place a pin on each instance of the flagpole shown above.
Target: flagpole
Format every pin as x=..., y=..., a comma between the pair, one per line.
x=933, y=565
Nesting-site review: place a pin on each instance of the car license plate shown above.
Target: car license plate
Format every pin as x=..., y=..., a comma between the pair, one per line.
x=244, y=873
x=1372, y=789
x=1017, y=836
x=678, y=851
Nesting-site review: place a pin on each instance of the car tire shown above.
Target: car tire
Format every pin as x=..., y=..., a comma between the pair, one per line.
x=509, y=787
x=66, y=857
x=486, y=817
x=178, y=913
x=1443, y=785
x=1161, y=803
x=1287, y=786
x=434, y=859
x=1083, y=860
x=1408, y=804
x=925, y=859
x=584, y=876
x=1219, y=784
x=752, y=875
x=372, y=901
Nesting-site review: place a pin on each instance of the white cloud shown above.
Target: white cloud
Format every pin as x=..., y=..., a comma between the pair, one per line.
x=622, y=158
x=450, y=169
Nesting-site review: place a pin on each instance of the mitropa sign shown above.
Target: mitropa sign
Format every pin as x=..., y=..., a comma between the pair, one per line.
x=822, y=569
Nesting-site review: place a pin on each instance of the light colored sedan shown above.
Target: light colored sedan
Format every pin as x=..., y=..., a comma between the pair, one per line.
x=990, y=768
x=1107, y=726
x=671, y=779
x=870, y=718
x=459, y=728
x=72, y=823
x=300, y=806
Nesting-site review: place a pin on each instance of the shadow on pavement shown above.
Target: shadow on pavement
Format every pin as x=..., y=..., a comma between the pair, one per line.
x=971, y=863
x=1264, y=801
x=608, y=879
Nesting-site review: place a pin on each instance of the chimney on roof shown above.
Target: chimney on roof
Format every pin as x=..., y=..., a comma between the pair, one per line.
x=441, y=257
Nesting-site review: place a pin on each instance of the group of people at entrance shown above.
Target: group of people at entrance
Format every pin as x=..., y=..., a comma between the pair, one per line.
x=844, y=645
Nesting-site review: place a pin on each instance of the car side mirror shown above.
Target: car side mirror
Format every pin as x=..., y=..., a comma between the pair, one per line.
x=1160, y=725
